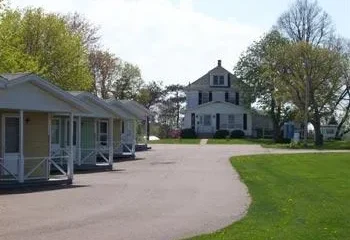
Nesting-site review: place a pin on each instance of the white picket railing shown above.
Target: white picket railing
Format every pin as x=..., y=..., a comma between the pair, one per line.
x=5, y=173
x=43, y=167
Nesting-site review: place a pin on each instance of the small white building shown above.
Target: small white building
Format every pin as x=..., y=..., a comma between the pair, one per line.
x=214, y=102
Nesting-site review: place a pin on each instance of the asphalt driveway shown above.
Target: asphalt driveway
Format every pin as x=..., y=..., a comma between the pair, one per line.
x=171, y=192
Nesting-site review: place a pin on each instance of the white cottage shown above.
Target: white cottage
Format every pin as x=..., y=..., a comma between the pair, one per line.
x=214, y=102
x=27, y=106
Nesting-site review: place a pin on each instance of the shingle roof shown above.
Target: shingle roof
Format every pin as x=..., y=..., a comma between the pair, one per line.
x=13, y=76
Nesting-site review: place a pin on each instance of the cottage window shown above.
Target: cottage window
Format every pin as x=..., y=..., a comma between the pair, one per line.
x=103, y=133
x=55, y=131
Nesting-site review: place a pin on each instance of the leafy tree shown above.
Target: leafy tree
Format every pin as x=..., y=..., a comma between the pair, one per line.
x=312, y=79
x=171, y=107
x=258, y=77
x=306, y=21
x=128, y=82
x=104, y=68
x=34, y=41
x=150, y=94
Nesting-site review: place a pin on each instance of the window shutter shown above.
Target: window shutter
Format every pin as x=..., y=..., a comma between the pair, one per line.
x=199, y=98
x=245, y=124
x=226, y=96
x=193, y=121
x=210, y=96
x=218, y=121
x=237, y=98
x=228, y=80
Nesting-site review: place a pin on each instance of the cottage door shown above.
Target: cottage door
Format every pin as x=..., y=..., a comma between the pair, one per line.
x=205, y=124
x=55, y=136
x=11, y=143
x=74, y=137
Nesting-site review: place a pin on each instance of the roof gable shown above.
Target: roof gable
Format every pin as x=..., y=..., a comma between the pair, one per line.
x=204, y=81
x=35, y=84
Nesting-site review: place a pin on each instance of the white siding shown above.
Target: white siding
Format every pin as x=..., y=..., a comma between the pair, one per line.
x=26, y=96
x=218, y=96
x=192, y=99
x=222, y=109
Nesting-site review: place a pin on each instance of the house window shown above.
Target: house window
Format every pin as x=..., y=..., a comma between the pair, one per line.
x=218, y=80
x=221, y=80
x=205, y=97
x=215, y=80
x=207, y=120
x=231, y=121
x=329, y=131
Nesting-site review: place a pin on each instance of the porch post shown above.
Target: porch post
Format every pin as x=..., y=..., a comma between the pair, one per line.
x=147, y=130
x=79, y=140
x=110, y=141
x=21, y=157
x=70, y=164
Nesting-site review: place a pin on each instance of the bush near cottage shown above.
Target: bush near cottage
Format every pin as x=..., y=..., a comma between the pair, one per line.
x=221, y=134
x=188, y=133
x=237, y=134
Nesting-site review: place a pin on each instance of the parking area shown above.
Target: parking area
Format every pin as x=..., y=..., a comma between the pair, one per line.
x=169, y=192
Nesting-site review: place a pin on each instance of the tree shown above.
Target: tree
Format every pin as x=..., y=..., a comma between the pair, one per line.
x=34, y=41
x=306, y=21
x=150, y=94
x=80, y=26
x=312, y=79
x=175, y=101
x=128, y=82
x=342, y=109
x=258, y=77
x=104, y=68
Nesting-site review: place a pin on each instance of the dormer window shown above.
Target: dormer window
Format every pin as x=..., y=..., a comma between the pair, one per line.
x=218, y=80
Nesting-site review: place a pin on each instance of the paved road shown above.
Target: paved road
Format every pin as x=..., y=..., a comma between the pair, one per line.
x=172, y=192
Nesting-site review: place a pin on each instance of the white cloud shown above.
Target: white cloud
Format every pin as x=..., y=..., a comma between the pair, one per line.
x=169, y=42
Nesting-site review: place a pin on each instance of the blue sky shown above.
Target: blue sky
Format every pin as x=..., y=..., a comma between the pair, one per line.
x=177, y=41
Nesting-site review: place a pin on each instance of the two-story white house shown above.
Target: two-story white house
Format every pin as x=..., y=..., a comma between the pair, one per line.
x=214, y=102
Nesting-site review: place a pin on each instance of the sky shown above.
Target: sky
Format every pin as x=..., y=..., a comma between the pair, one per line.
x=177, y=41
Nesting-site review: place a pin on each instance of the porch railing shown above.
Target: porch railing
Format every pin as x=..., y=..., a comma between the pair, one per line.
x=125, y=147
x=5, y=173
x=40, y=167
x=34, y=168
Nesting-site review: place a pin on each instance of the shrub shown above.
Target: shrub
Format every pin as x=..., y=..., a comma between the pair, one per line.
x=221, y=134
x=188, y=133
x=175, y=133
x=237, y=134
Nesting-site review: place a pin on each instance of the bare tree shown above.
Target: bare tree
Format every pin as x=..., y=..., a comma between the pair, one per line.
x=88, y=32
x=306, y=21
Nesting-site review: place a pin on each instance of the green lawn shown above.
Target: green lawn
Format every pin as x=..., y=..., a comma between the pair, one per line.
x=328, y=145
x=303, y=196
x=268, y=143
x=175, y=141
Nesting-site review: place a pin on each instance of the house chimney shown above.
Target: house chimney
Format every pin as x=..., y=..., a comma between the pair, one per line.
x=219, y=63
